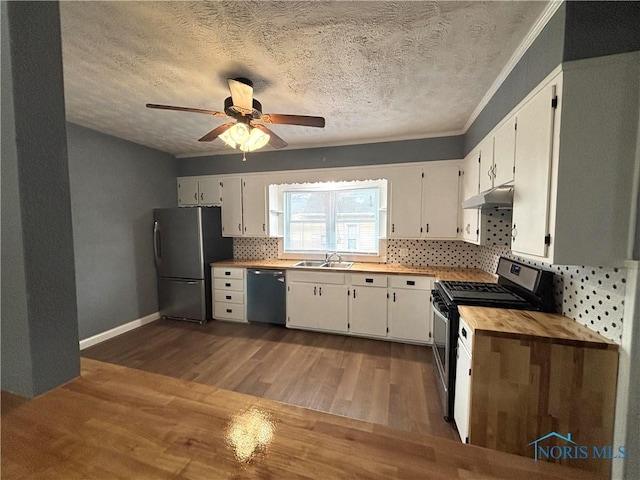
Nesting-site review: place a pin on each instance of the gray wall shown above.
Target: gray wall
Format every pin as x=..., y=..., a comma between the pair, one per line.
x=443, y=148
x=115, y=185
x=39, y=317
x=594, y=29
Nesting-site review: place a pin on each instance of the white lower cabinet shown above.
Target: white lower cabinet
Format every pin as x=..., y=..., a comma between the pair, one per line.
x=378, y=306
x=368, y=305
x=228, y=286
x=317, y=301
x=462, y=402
x=410, y=315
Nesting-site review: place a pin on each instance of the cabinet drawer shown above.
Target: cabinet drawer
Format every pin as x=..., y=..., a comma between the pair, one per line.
x=229, y=296
x=315, y=277
x=229, y=311
x=219, y=272
x=414, y=282
x=228, y=284
x=369, y=280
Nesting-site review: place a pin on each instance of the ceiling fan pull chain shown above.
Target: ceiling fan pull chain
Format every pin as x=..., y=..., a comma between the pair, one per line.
x=244, y=156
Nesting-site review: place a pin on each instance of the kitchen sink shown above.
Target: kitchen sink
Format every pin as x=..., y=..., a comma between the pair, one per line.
x=322, y=264
x=310, y=263
x=337, y=265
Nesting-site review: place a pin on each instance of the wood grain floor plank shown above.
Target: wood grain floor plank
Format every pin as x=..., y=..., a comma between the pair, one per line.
x=367, y=379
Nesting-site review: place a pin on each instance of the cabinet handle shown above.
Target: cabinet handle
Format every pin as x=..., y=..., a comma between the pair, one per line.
x=394, y=296
x=495, y=167
x=489, y=173
x=227, y=273
x=514, y=232
x=368, y=280
x=320, y=291
x=228, y=297
x=393, y=227
x=227, y=284
x=195, y=196
x=229, y=310
x=427, y=228
x=354, y=293
x=464, y=332
x=239, y=227
x=263, y=227
x=315, y=290
x=411, y=282
x=468, y=226
x=201, y=196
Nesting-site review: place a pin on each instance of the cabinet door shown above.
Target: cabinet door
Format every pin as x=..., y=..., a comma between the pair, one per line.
x=301, y=305
x=470, y=187
x=406, y=187
x=463, y=391
x=533, y=174
x=187, y=191
x=209, y=188
x=409, y=314
x=486, y=164
x=440, y=201
x=254, y=207
x=231, y=207
x=504, y=153
x=368, y=311
x=331, y=307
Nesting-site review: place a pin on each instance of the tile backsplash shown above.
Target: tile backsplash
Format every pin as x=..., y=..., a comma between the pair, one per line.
x=593, y=296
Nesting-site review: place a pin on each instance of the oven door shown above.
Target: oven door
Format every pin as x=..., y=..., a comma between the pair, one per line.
x=441, y=351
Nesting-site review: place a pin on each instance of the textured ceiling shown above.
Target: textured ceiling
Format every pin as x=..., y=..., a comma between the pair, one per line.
x=375, y=70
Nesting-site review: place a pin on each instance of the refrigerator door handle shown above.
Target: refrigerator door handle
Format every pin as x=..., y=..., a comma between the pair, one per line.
x=157, y=249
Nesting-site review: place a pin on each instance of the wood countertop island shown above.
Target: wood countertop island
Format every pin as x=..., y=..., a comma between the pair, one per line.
x=534, y=373
x=524, y=324
x=440, y=273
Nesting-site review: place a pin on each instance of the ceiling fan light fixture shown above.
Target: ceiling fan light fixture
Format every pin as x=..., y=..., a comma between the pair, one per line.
x=246, y=138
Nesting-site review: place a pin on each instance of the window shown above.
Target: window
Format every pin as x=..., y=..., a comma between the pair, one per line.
x=325, y=218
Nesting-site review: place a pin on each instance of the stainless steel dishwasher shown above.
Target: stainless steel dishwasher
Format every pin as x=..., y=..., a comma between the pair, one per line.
x=266, y=296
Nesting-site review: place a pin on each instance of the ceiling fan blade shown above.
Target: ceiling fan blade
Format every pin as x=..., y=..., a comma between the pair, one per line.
x=241, y=93
x=275, y=141
x=187, y=109
x=213, y=134
x=303, y=120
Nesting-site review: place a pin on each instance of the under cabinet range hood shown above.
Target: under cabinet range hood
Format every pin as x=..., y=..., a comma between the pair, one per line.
x=499, y=197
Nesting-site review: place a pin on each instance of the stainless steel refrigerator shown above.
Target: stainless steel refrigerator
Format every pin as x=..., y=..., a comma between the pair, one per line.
x=185, y=242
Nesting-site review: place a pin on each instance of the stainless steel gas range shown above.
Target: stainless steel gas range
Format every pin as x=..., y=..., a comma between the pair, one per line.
x=519, y=286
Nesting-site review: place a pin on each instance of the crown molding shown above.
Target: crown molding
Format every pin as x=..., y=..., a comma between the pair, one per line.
x=551, y=8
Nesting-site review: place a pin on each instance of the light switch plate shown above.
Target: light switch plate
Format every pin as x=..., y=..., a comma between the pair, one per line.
x=404, y=252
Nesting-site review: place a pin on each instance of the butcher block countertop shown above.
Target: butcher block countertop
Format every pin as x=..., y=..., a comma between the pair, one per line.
x=524, y=324
x=441, y=273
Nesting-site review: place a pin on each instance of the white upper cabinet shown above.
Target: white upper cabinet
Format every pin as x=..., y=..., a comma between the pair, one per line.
x=440, y=200
x=199, y=191
x=406, y=193
x=470, y=186
x=231, y=188
x=533, y=169
x=504, y=151
x=188, y=192
x=254, y=206
x=424, y=201
x=486, y=152
x=575, y=157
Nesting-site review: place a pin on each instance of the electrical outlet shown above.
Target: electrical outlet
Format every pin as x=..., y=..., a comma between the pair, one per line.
x=264, y=247
x=404, y=252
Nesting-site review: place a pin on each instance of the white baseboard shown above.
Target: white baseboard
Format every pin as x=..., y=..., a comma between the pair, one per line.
x=114, y=332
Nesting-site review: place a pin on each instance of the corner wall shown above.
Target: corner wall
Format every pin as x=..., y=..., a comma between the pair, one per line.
x=115, y=185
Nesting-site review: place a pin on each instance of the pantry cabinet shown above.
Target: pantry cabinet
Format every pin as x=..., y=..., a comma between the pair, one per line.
x=435, y=185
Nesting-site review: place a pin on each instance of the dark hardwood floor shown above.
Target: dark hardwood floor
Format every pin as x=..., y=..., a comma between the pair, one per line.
x=381, y=382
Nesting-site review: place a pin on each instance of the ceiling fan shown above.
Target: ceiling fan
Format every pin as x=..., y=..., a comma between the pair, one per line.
x=246, y=133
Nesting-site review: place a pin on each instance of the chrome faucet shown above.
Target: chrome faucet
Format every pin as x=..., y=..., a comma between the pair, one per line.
x=328, y=256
